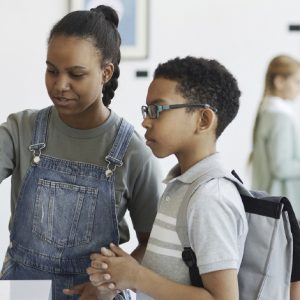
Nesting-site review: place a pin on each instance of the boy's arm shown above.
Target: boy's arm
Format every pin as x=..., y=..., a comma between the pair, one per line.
x=222, y=284
x=125, y=272
x=218, y=285
x=295, y=290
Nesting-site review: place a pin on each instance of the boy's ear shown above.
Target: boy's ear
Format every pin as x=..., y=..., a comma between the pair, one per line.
x=206, y=119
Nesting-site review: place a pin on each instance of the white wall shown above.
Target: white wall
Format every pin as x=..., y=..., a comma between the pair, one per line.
x=241, y=34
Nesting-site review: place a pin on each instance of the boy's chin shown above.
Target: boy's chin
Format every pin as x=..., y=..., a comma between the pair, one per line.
x=160, y=154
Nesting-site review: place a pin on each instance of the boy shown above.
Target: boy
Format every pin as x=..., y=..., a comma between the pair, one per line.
x=189, y=103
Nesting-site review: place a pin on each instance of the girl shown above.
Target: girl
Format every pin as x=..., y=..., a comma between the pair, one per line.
x=276, y=136
x=75, y=166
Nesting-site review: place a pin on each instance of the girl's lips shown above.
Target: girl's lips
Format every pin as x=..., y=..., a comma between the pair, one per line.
x=61, y=101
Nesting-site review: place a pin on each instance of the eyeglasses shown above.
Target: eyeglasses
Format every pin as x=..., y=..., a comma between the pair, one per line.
x=153, y=111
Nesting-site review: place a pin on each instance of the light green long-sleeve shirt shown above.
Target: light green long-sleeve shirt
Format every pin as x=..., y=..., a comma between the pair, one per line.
x=276, y=154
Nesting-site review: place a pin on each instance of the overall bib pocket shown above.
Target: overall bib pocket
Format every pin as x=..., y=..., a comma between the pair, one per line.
x=64, y=213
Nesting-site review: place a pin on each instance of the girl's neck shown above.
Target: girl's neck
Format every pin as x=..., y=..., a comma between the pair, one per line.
x=90, y=118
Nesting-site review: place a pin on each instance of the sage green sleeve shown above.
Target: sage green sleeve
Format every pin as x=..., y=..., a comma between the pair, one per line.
x=283, y=147
x=7, y=148
x=147, y=190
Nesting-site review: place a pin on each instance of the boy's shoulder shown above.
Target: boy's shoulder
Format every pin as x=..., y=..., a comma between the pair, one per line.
x=212, y=187
x=217, y=194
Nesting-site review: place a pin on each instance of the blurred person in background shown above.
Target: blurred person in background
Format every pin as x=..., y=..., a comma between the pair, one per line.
x=275, y=157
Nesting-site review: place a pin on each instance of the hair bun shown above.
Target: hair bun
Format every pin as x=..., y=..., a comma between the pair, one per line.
x=109, y=13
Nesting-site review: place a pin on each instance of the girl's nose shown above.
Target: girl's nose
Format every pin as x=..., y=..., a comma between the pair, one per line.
x=62, y=84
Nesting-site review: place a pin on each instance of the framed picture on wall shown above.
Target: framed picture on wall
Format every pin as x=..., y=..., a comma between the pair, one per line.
x=133, y=23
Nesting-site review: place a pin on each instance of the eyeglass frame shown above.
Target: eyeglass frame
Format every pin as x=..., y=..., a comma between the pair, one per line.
x=160, y=108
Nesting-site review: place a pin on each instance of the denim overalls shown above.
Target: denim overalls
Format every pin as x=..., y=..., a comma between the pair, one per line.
x=65, y=211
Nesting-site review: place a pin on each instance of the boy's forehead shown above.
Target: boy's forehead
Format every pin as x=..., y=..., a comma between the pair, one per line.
x=162, y=88
x=163, y=84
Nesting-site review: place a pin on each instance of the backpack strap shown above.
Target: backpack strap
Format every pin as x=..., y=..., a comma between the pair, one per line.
x=181, y=221
x=188, y=254
x=287, y=206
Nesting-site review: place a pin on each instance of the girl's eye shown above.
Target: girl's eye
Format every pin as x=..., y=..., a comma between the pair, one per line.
x=75, y=75
x=51, y=71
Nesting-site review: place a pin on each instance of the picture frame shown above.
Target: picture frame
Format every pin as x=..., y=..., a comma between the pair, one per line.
x=133, y=23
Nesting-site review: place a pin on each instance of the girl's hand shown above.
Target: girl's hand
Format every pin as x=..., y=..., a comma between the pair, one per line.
x=88, y=292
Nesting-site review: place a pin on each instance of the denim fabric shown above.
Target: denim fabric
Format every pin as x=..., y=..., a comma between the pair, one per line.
x=65, y=212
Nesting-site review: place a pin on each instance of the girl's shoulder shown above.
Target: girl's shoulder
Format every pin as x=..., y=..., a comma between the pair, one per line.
x=21, y=121
x=27, y=115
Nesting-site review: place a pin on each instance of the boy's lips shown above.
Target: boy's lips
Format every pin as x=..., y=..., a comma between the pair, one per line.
x=148, y=137
x=149, y=140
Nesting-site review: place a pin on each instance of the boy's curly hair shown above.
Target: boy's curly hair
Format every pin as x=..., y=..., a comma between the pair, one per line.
x=201, y=80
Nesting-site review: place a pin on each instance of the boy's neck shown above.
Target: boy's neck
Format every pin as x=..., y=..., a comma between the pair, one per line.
x=187, y=160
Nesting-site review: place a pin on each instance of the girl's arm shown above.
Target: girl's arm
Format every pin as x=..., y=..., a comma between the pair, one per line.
x=139, y=251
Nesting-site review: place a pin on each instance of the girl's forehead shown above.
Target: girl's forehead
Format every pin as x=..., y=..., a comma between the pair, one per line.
x=64, y=41
x=72, y=49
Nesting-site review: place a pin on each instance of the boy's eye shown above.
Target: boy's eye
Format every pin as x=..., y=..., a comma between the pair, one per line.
x=152, y=110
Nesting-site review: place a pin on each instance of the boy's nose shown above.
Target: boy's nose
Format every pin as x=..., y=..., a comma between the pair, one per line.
x=146, y=123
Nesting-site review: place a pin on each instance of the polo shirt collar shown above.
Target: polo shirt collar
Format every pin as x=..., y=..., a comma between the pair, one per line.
x=202, y=167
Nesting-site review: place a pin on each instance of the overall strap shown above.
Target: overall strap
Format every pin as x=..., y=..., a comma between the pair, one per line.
x=39, y=135
x=119, y=147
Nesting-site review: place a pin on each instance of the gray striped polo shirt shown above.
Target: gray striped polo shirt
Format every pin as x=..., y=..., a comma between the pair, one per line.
x=217, y=225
